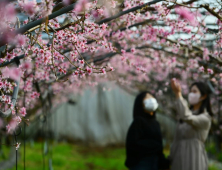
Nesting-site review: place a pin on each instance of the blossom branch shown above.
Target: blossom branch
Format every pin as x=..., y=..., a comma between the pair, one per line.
x=207, y=7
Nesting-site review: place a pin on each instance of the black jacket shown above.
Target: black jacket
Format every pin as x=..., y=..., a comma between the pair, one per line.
x=143, y=140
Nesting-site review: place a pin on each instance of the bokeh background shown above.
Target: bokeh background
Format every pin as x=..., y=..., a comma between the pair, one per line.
x=88, y=132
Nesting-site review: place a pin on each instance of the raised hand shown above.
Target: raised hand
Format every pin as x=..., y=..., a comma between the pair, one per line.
x=176, y=87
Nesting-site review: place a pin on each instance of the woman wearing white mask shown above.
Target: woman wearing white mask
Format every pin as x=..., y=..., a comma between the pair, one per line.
x=188, y=150
x=144, y=149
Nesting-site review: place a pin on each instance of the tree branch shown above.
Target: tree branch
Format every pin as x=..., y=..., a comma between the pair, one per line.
x=30, y=25
x=207, y=7
x=128, y=11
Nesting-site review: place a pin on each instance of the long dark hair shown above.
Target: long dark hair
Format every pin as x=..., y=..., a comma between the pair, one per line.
x=204, y=90
x=138, y=109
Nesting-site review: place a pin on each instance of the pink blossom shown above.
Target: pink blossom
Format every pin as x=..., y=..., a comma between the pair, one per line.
x=95, y=13
x=60, y=70
x=187, y=30
x=8, y=100
x=174, y=60
x=201, y=69
x=13, y=72
x=56, y=26
x=100, y=11
x=18, y=119
x=3, y=97
x=81, y=5
x=127, y=4
x=27, y=65
x=8, y=36
x=23, y=111
x=104, y=26
x=210, y=71
x=8, y=128
x=134, y=68
x=138, y=68
x=2, y=60
x=162, y=41
x=11, y=126
x=20, y=40
x=10, y=12
x=82, y=74
x=25, y=21
x=92, y=49
x=76, y=73
x=30, y=7
x=184, y=13
x=111, y=68
x=35, y=95
x=13, y=111
x=123, y=58
x=206, y=54
x=47, y=57
x=133, y=50
x=9, y=56
x=214, y=80
x=81, y=62
x=89, y=70
x=87, y=16
x=17, y=145
x=41, y=51
x=103, y=70
x=123, y=51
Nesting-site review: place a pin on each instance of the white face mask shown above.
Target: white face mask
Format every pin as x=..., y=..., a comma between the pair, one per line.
x=193, y=98
x=150, y=104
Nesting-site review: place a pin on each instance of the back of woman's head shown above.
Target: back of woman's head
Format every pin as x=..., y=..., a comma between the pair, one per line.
x=138, y=109
x=204, y=91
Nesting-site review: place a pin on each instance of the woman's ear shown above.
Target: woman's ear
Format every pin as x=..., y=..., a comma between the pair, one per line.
x=203, y=97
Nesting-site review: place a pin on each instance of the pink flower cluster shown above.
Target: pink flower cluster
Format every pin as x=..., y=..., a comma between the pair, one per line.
x=184, y=13
x=83, y=54
x=13, y=73
x=81, y=5
x=30, y=7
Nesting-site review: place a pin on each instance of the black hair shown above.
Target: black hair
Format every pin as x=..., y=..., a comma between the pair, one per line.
x=204, y=90
x=138, y=109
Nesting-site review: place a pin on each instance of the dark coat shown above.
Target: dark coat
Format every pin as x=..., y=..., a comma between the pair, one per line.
x=144, y=139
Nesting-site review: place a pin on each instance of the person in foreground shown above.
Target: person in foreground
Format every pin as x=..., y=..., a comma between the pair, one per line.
x=188, y=150
x=144, y=148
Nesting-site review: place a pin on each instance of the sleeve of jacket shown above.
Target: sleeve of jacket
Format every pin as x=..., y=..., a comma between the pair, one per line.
x=199, y=121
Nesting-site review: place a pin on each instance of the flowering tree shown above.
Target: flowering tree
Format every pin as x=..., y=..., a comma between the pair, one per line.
x=63, y=46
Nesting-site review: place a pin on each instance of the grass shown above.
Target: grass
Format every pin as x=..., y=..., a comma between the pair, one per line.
x=74, y=157
x=213, y=167
x=5, y=151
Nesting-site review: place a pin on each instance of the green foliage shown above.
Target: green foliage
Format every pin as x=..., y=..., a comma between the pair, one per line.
x=213, y=167
x=211, y=148
x=70, y=156
x=5, y=153
x=67, y=156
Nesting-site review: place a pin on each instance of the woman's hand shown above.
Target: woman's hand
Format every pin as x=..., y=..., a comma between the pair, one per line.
x=176, y=88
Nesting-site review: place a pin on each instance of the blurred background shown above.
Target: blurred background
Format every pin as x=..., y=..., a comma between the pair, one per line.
x=88, y=132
